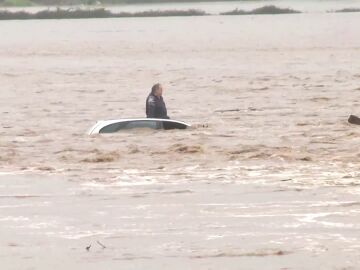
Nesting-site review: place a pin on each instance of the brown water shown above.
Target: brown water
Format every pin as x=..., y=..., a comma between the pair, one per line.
x=286, y=159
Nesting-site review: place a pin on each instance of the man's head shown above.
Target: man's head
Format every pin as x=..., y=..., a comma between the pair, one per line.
x=157, y=90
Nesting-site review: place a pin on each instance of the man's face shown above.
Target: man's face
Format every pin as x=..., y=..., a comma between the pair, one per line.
x=159, y=91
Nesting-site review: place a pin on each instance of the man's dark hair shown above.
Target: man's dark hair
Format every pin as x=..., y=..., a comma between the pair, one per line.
x=155, y=87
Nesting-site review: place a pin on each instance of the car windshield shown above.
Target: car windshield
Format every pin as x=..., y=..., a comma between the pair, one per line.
x=129, y=125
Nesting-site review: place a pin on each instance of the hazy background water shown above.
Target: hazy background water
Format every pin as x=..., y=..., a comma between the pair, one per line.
x=63, y=75
x=273, y=185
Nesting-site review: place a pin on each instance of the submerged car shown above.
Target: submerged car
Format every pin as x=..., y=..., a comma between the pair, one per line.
x=111, y=126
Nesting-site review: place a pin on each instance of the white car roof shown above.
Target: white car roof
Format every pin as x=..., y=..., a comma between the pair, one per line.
x=102, y=123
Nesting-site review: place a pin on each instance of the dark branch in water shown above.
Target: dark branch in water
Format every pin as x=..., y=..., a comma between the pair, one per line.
x=262, y=10
x=228, y=110
x=100, y=244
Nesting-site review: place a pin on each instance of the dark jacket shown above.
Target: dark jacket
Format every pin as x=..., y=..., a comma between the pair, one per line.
x=155, y=107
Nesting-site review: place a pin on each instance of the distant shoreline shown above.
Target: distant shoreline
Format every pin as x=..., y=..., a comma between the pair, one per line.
x=52, y=3
x=72, y=13
x=93, y=14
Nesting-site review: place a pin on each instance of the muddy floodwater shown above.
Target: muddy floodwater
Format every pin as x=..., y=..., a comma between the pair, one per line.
x=267, y=177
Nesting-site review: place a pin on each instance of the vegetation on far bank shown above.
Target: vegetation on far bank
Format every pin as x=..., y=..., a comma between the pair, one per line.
x=22, y=3
x=261, y=10
x=347, y=10
x=78, y=13
x=81, y=13
x=93, y=13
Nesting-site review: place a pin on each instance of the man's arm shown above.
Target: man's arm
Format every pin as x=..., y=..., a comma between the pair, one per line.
x=151, y=106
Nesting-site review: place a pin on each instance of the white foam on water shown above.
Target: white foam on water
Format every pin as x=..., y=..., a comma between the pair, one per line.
x=311, y=217
x=78, y=235
x=43, y=225
x=132, y=171
x=214, y=236
x=338, y=225
x=19, y=205
x=14, y=218
x=15, y=172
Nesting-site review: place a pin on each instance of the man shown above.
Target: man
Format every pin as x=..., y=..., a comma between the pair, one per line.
x=155, y=105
